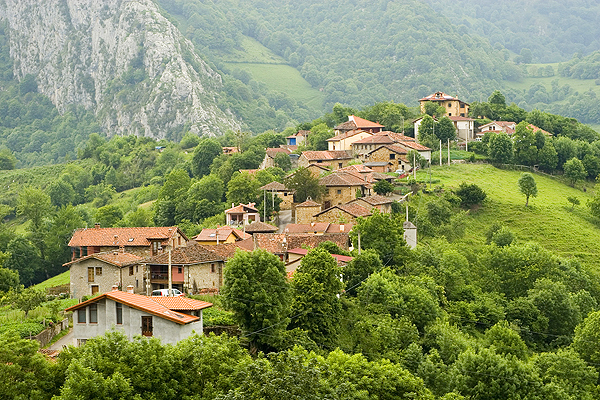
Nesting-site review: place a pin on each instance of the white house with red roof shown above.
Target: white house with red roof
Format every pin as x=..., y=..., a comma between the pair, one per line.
x=465, y=128
x=242, y=214
x=344, y=140
x=507, y=127
x=170, y=319
x=357, y=123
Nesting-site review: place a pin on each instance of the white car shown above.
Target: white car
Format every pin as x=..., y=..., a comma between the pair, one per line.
x=165, y=292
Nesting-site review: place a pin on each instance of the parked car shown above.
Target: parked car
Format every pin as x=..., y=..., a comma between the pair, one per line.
x=165, y=292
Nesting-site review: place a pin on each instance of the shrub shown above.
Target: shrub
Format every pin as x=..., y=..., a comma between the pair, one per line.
x=470, y=194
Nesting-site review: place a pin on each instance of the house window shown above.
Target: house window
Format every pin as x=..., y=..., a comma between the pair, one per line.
x=462, y=114
x=339, y=165
x=392, y=156
x=90, y=274
x=99, y=271
x=147, y=326
x=81, y=315
x=119, y=313
x=155, y=247
x=137, y=268
x=94, y=290
x=339, y=191
x=462, y=105
x=449, y=105
x=212, y=268
x=93, y=313
x=84, y=251
x=137, y=283
x=180, y=270
x=449, y=114
x=131, y=270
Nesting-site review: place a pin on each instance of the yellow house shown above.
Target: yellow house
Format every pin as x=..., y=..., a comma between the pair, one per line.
x=223, y=234
x=454, y=107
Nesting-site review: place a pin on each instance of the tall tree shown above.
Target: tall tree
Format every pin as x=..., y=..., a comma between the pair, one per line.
x=257, y=292
x=316, y=306
x=445, y=130
x=574, y=171
x=204, y=154
x=527, y=186
x=304, y=185
x=500, y=148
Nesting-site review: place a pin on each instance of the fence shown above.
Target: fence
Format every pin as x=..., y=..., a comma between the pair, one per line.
x=45, y=336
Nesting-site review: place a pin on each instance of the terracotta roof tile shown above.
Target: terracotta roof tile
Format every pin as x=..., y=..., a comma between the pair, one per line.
x=307, y=228
x=193, y=253
x=438, y=96
x=275, y=186
x=374, y=200
x=340, y=228
x=458, y=118
x=222, y=233
x=116, y=258
x=241, y=208
x=363, y=123
x=343, y=179
x=361, y=168
x=260, y=227
x=273, y=151
x=181, y=303
x=338, y=257
x=312, y=241
x=102, y=237
x=142, y=303
x=353, y=209
x=272, y=242
x=346, y=126
x=413, y=146
x=308, y=203
x=346, y=135
x=326, y=155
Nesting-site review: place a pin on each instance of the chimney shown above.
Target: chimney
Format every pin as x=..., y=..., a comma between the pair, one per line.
x=130, y=289
x=97, y=225
x=115, y=288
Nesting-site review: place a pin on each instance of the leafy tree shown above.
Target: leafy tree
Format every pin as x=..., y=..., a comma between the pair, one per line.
x=526, y=151
x=171, y=194
x=594, y=205
x=317, y=139
x=108, y=216
x=9, y=279
x=383, y=187
x=586, y=341
x=574, y=170
x=527, y=186
x=506, y=340
x=204, y=154
x=65, y=221
x=7, y=159
x=567, y=370
x=503, y=237
x=283, y=161
x=257, y=292
x=242, y=188
x=138, y=218
x=445, y=130
x=61, y=193
x=427, y=131
x=500, y=148
x=35, y=205
x=470, y=194
x=315, y=303
x=189, y=140
x=24, y=258
x=433, y=109
x=497, y=99
x=304, y=185
x=360, y=268
x=29, y=299
x=547, y=157
x=384, y=234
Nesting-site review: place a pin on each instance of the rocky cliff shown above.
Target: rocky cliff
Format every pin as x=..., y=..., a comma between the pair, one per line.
x=121, y=58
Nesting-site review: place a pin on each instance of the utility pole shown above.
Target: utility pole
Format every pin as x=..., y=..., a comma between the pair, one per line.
x=448, y=151
x=170, y=276
x=440, y=152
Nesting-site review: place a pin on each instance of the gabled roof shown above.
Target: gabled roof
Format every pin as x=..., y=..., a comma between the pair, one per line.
x=439, y=96
x=221, y=233
x=346, y=135
x=308, y=203
x=260, y=227
x=191, y=254
x=535, y=129
x=339, y=228
x=503, y=124
x=345, y=126
x=272, y=242
x=458, y=118
x=413, y=146
x=273, y=151
x=363, y=123
x=375, y=139
x=109, y=237
x=311, y=241
x=326, y=155
x=338, y=257
x=142, y=303
x=116, y=258
x=307, y=228
x=343, y=179
x=242, y=208
x=356, y=168
x=353, y=209
x=181, y=303
x=275, y=187
x=374, y=200
x=299, y=133
x=392, y=147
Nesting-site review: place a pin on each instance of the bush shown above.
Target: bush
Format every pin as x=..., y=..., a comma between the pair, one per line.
x=470, y=194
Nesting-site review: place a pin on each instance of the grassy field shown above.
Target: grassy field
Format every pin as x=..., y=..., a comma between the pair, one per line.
x=58, y=280
x=267, y=67
x=548, y=220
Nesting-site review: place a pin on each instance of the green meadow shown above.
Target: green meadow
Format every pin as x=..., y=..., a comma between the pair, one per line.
x=548, y=220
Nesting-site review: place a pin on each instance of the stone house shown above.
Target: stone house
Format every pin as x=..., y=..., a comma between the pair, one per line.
x=133, y=315
x=278, y=189
x=99, y=272
x=453, y=106
x=306, y=210
x=142, y=241
x=260, y=227
x=392, y=154
x=341, y=187
x=295, y=257
x=330, y=159
x=382, y=203
x=318, y=228
x=343, y=213
x=424, y=151
x=344, y=140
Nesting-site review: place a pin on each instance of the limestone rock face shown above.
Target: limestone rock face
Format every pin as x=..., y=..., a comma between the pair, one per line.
x=121, y=58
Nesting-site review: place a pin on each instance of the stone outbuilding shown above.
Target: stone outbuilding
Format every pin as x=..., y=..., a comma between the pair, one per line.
x=306, y=210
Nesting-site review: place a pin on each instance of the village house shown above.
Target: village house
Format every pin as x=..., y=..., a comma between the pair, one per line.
x=465, y=128
x=220, y=235
x=357, y=123
x=317, y=228
x=242, y=214
x=381, y=203
x=453, y=106
x=260, y=227
x=341, y=187
x=304, y=211
x=143, y=241
x=297, y=139
x=507, y=127
x=134, y=315
x=279, y=243
x=329, y=159
x=278, y=189
x=344, y=140
x=367, y=174
x=270, y=154
x=99, y=272
x=343, y=214
x=392, y=154
x=230, y=150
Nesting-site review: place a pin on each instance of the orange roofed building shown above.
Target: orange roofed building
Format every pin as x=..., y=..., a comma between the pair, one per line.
x=170, y=319
x=453, y=106
x=357, y=123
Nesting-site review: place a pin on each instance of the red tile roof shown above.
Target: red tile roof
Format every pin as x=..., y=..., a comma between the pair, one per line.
x=116, y=258
x=343, y=179
x=102, y=237
x=307, y=228
x=340, y=228
x=260, y=227
x=363, y=123
x=326, y=155
x=374, y=200
x=310, y=240
x=338, y=257
x=346, y=135
x=360, y=168
x=375, y=139
x=242, y=208
x=438, y=96
x=273, y=151
x=345, y=126
x=142, y=303
x=181, y=303
x=221, y=233
x=275, y=187
x=353, y=209
x=193, y=253
x=272, y=242
x=308, y=203
x=458, y=118
x=413, y=146
x=392, y=147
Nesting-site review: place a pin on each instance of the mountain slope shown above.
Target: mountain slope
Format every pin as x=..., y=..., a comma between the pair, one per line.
x=121, y=58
